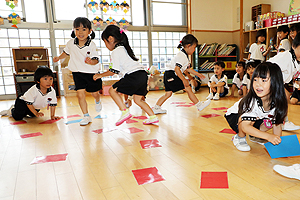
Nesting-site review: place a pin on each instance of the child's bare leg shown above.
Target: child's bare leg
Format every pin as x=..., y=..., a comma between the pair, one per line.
x=96, y=96
x=138, y=100
x=82, y=101
x=191, y=95
x=117, y=98
x=240, y=92
x=220, y=89
x=163, y=98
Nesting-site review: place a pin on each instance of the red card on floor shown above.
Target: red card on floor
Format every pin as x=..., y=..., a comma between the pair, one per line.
x=228, y=130
x=104, y=130
x=19, y=122
x=133, y=130
x=140, y=117
x=178, y=102
x=214, y=180
x=49, y=121
x=70, y=116
x=189, y=105
x=150, y=143
x=210, y=115
x=50, y=158
x=129, y=121
x=31, y=135
x=147, y=175
x=220, y=108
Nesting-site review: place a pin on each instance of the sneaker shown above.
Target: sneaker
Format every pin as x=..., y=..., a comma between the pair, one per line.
x=290, y=126
x=216, y=97
x=9, y=110
x=3, y=112
x=151, y=121
x=257, y=140
x=158, y=110
x=123, y=119
x=290, y=172
x=203, y=105
x=210, y=96
x=240, y=143
x=98, y=107
x=85, y=121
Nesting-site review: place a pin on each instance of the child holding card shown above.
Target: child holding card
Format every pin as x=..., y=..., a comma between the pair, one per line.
x=39, y=96
x=263, y=108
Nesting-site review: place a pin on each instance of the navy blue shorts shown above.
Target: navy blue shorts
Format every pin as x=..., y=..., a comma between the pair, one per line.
x=86, y=81
x=233, y=120
x=172, y=82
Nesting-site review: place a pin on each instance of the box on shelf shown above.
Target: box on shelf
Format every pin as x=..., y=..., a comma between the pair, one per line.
x=284, y=20
x=230, y=65
x=270, y=22
x=290, y=18
x=249, y=26
x=279, y=20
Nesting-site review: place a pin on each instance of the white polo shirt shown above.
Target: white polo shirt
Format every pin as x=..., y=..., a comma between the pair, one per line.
x=287, y=64
x=79, y=54
x=215, y=79
x=34, y=96
x=181, y=60
x=256, y=51
x=246, y=81
x=122, y=63
x=284, y=45
x=237, y=81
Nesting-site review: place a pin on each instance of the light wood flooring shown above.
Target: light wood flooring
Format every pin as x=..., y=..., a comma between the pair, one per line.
x=99, y=166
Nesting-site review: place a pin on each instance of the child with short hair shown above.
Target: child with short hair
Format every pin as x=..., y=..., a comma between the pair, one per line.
x=282, y=34
x=194, y=81
x=294, y=30
x=250, y=67
x=174, y=79
x=83, y=64
x=39, y=96
x=218, y=86
x=263, y=108
x=258, y=50
x=237, y=81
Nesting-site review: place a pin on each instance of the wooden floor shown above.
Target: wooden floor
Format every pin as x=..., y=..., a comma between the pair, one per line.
x=99, y=166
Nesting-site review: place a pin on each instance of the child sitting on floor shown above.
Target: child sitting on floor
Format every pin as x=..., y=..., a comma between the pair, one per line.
x=237, y=81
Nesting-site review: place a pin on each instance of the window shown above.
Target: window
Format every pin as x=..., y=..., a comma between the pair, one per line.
x=35, y=11
x=69, y=10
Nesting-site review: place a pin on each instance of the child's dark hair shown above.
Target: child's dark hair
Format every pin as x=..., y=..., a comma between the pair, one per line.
x=241, y=63
x=296, y=41
x=188, y=39
x=284, y=29
x=85, y=22
x=295, y=27
x=250, y=64
x=277, y=97
x=261, y=33
x=41, y=72
x=120, y=38
x=220, y=63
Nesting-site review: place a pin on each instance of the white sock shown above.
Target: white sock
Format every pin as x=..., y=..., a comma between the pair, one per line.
x=198, y=104
x=156, y=106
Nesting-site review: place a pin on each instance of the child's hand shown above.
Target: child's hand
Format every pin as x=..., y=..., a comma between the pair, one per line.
x=39, y=114
x=55, y=117
x=88, y=60
x=213, y=89
x=97, y=76
x=202, y=77
x=55, y=59
x=274, y=139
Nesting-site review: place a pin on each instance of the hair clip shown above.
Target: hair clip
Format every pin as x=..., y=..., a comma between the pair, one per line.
x=121, y=30
x=180, y=41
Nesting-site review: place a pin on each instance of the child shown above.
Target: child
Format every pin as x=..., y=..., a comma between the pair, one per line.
x=258, y=50
x=282, y=34
x=39, y=96
x=195, y=82
x=296, y=93
x=294, y=29
x=288, y=62
x=250, y=67
x=217, y=84
x=264, y=107
x=134, y=80
x=174, y=79
x=237, y=81
x=83, y=64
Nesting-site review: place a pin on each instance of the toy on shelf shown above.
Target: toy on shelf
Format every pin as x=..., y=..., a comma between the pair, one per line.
x=93, y=6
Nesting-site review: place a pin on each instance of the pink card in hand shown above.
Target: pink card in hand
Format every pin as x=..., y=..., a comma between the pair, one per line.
x=50, y=158
x=149, y=143
x=140, y=117
x=133, y=130
x=214, y=180
x=19, y=122
x=220, y=108
x=210, y=115
x=228, y=130
x=147, y=175
x=129, y=121
x=31, y=135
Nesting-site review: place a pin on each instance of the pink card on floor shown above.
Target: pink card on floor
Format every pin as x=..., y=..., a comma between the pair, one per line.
x=147, y=175
x=133, y=130
x=210, y=115
x=31, y=135
x=214, y=180
x=178, y=102
x=19, y=122
x=104, y=130
x=50, y=158
x=220, y=108
x=49, y=121
x=146, y=144
x=140, y=117
x=129, y=121
x=188, y=105
x=70, y=116
x=228, y=130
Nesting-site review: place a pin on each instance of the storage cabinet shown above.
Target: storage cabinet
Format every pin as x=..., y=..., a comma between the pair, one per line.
x=259, y=10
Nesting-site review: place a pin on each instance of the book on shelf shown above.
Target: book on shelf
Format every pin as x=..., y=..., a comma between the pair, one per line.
x=226, y=50
x=207, y=65
x=215, y=49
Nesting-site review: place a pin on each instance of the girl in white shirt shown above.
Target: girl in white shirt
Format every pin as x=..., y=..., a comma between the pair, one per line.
x=259, y=50
x=134, y=80
x=283, y=34
x=263, y=108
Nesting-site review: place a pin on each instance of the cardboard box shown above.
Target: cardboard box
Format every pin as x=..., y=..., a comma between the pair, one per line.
x=230, y=65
